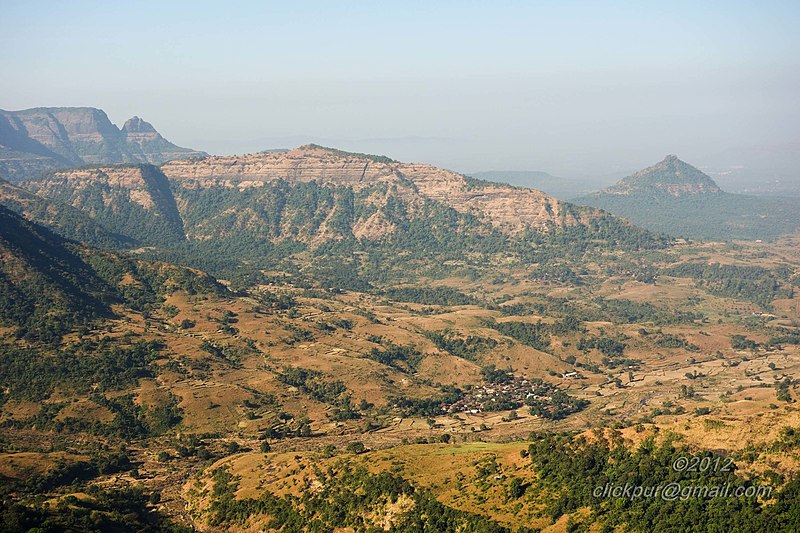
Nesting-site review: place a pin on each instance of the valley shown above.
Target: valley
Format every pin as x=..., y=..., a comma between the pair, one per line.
x=251, y=342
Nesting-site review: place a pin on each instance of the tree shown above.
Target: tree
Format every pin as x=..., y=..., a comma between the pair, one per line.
x=356, y=447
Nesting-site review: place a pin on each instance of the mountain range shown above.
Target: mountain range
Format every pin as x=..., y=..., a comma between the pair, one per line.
x=33, y=141
x=220, y=213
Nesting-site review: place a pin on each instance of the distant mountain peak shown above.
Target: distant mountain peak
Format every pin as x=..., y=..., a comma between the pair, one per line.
x=670, y=176
x=36, y=141
x=137, y=125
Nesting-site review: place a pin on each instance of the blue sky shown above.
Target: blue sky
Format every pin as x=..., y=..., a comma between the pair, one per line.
x=569, y=87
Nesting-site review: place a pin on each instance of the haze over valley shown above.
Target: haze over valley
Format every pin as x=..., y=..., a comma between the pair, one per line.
x=399, y=267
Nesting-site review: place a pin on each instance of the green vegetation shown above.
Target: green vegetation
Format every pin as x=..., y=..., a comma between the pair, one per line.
x=670, y=340
x=111, y=206
x=751, y=283
x=89, y=369
x=332, y=392
x=619, y=311
x=428, y=406
x=571, y=469
x=608, y=346
x=403, y=358
x=494, y=375
x=554, y=404
x=45, y=286
x=30, y=374
x=49, y=286
x=60, y=218
x=534, y=335
x=106, y=510
x=469, y=347
x=720, y=216
x=740, y=342
x=348, y=497
x=428, y=295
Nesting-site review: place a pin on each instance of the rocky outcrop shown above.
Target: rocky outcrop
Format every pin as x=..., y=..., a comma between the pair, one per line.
x=134, y=200
x=145, y=144
x=309, y=196
x=37, y=140
x=510, y=209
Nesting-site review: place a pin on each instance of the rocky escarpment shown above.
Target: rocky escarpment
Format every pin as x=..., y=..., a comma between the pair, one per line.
x=273, y=204
x=145, y=144
x=134, y=200
x=37, y=140
x=509, y=209
x=59, y=217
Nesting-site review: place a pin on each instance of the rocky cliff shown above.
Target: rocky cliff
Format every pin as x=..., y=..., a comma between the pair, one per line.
x=256, y=209
x=134, y=200
x=511, y=210
x=37, y=140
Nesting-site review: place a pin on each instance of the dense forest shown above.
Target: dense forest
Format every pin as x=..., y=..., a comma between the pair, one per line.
x=572, y=469
x=755, y=284
x=721, y=216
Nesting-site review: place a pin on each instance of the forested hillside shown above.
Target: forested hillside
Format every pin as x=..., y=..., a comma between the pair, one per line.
x=675, y=198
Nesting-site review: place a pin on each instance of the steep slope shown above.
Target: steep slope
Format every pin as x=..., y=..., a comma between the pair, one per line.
x=45, y=287
x=511, y=210
x=19, y=151
x=133, y=200
x=36, y=140
x=63, y=219
x=676, y=198
x=671, y=177
x=253, y=210
x=146, y=145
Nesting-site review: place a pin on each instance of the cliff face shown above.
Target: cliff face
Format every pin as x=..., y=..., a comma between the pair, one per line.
x=134, y=200
x=509, y=209
x=60, y=217
x=146, y=145
x=43, y=139
x=313, y=196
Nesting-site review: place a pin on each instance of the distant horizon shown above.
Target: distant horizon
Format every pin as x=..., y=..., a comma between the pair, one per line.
x=522, y=86
x=586, y=182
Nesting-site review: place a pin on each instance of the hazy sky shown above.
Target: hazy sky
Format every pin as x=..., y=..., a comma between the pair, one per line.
x=567, y=87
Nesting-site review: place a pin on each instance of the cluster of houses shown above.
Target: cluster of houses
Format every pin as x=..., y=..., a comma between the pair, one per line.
x=511, y=394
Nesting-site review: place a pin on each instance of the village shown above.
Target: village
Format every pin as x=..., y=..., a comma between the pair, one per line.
x=508, y=392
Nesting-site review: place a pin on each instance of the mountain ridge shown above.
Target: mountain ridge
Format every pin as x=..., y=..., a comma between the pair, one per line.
x=224, y=212
x=135, y=200
x=64, y=219
x=41, y=139
x=509, y=209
